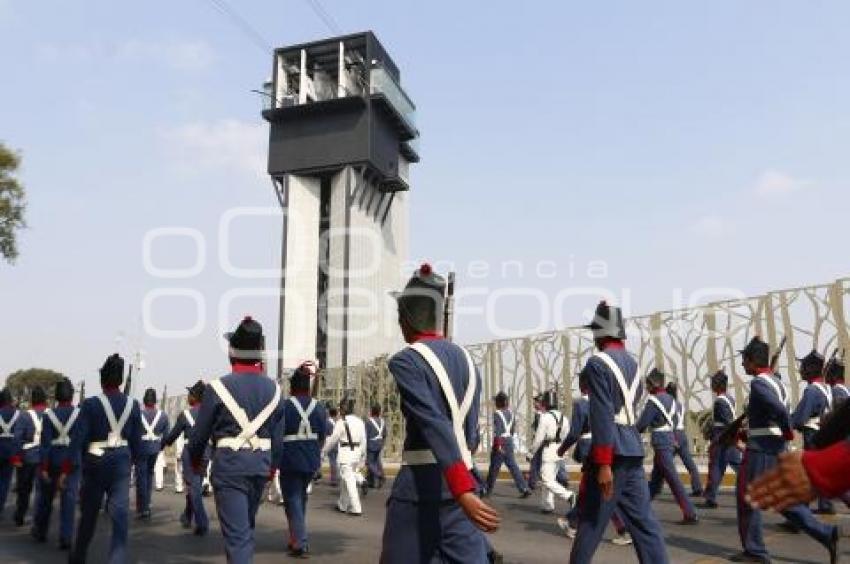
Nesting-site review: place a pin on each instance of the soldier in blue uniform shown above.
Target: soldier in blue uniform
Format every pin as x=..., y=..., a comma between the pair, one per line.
x=60, y=467
x=155, y=425
x=767, y=436
x=110, y=439
x=31, y=423
x=376, y=434
x=683, y=442
x=296, y=455
x=835, y=378
x=433, y=514
x=333, y=413
x=614, y=477
x=502, y=451
x=11, y=437
x=238, y=413
x=720, y=455
x=816, y=402
x=580, y=436
x=185, y=426
x=659, y=415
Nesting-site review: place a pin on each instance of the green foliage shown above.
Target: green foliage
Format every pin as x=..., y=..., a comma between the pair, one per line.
x=12, y=203
x=22, y=381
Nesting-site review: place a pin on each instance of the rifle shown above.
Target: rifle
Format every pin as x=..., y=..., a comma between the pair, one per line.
x=129, y=381
x=729, y=434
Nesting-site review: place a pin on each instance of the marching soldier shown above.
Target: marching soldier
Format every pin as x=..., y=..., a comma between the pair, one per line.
x=835, y=378
x=29, y=457
x=155, y=424
x=60, y=467
x=110, y=439
x=433, y=513
x=683, y=442
x=350, y=435
x=815, y=403
x=534, y=465
x=376, y=432
x=183, y=429
x=503, y=447
x=659, y=415
x=614, y=477
x=720, y=455
x=552, y=427
x=332, y=453
x=767, y=437
x=298, y=437
x=580, y=436
x=11, y=435
x=239, y=413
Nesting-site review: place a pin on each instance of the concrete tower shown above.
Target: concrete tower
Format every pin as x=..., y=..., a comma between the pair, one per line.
x=341, y=142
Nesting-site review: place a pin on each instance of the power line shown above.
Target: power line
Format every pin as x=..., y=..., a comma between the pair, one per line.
x=244, y=26
x=324, y=16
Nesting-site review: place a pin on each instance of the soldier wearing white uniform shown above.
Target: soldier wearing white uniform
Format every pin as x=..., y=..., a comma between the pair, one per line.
x=551, y=430
x=350, y=432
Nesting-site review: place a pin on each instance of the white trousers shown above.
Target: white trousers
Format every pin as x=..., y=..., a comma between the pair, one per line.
x=349, y=495
x=551, y=487
x=159, y=471
x=275, y=494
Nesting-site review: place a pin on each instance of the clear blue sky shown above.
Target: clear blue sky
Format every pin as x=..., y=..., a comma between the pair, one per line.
x=687, y=145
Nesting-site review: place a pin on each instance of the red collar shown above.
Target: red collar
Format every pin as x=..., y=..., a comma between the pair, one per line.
x=817, y=380
x=427, y=336
x=764, y=371
x=656, y=391
x=64, y=403
x=150, y=406
x=301, y=393
x=39, y=406
x=613, y=344
x=240, y=368
x=110, y=389
x=192, y=402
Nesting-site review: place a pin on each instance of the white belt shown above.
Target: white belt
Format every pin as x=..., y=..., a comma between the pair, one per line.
x=621, y=419
x=235, y=443
x=417, y=457
x=308, y=437
x=376, y=439
x=61, y=441
x=813, y=424
x=663, y=429
x=7, y=436
x=719, y=425
x=586, y=436
x=98, y=447
x=152, y=438
x=29, y=446
x=765, y=432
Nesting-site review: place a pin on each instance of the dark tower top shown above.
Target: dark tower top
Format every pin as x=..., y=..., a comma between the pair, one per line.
x=339, y=102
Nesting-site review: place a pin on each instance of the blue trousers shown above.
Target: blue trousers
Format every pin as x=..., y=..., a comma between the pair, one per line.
x=572, y=514
x=195, y=510
x=237, y=499
x=144, y=482
x=664, y=470
x=374, y=467
x=6, y=471
x=24, y=482
x=293, y=486
x=683, y=449
x=719, y=457
x=334, y=479
x=431, y=532
x=631, y=498
x=824, y=504
x=67, y=504
x=504, y=455
x=109, y=477
x=754, y=464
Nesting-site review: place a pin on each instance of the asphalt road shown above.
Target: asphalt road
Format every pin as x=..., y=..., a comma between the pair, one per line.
x=526, y=535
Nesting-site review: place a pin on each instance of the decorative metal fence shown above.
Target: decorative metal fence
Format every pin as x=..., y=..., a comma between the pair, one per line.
x=688, y=344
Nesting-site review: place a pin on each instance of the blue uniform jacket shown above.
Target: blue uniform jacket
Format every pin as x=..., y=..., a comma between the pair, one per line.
x=94, y=426
x=252, y=391
x=30, y=455
x=61, y=456
x=183, y=427
x=606, y=399
x=839, y=394
x=152, y=448
x=812, y=405
x=11, y=446
x=375, y=440
x=301, y=455
x=579, y=425
x=722, y=415
x=652, y=418
x=499, y=427
x=764, y=410
x=428, y=423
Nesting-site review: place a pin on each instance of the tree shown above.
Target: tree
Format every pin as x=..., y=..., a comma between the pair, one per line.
x=21, y=382
x=12, y=203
